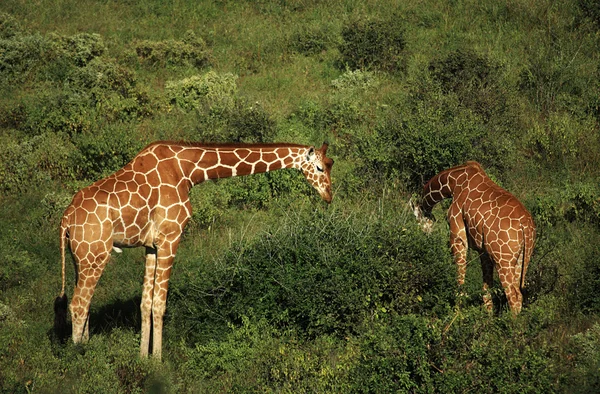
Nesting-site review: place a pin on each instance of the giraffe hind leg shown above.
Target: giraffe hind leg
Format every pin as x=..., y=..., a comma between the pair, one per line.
x=146, y=303
x=510, y=277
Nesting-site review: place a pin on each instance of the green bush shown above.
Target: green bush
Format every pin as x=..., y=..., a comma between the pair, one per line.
x=373, y=44
x=208, y=200
x=34, y=57
x=211, y=92
x=309, y=40
x=584, y=276
x=36, y=160
x=590, y=9
x=521, y=361
x=83, y=47
x=323, y=273
x=109, y=88
x=577, y=201
x=474, y=79
x=549, y=81
x=22, y=56
x=191, y=51
x=9, y=26
x=395, y=357
x=250, y=123
x=584, y=358
x=355, y=80
x=103, y=151
x=417, y=143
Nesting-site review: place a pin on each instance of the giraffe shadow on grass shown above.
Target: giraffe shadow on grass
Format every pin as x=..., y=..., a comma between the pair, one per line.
x=118, y=314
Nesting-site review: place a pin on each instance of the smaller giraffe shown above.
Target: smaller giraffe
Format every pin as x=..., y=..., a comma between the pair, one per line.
x=146, y=204
x=488, y=219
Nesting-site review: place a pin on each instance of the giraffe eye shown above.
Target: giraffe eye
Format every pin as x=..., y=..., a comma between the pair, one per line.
x=319, y=168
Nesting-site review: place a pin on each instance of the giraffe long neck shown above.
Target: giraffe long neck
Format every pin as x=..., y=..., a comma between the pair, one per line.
x=437, y=189
x=200, y=162
x=448, y=183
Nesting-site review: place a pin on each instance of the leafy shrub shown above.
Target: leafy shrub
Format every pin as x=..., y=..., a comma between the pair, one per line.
x=213, y=93
x=578, y=201
x=109, y=88
x=310, y=40
x=590, y=9
x=34, y=160
x=324, y=273
x=83, y=47
x=191, y=51
x=208, y=203
x=584, y=357
x=103, y=151
x=474, y=79
x=395, y=357
x=355, y=80
x=559, y=140
x=550, y=82
x=51, y=111
x=584, y=276
x=250, y=123
x=46, y=58
x=513, y=364
x=22, y=55
x=9, y=26
x=417, y=143
x=584, y=202
x=373, y=44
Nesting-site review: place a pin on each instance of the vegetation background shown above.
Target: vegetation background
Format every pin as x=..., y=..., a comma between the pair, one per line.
x=271, y=292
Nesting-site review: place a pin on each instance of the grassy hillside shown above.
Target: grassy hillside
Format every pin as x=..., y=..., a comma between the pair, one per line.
x=272, y=291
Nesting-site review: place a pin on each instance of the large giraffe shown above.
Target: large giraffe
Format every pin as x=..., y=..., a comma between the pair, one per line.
x=490, y=220
x=146, y=204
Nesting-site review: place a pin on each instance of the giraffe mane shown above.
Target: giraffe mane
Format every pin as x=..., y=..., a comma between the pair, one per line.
x=228, y=145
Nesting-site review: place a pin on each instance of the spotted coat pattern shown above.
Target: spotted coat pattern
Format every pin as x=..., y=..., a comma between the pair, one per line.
x=146, y=204
x=490, y=220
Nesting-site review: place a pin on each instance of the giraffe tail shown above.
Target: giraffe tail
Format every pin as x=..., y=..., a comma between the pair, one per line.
x=528, y=234
x=61, y=302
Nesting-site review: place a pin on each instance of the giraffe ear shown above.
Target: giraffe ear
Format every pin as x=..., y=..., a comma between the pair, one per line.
x=324, y=147
x=310, y=154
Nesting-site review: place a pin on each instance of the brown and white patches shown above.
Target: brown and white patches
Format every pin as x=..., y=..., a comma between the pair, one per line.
x=489, y=219
x=146, y=204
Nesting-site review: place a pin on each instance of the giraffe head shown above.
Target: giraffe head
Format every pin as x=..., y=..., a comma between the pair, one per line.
x=316, y=167
x=423, y=217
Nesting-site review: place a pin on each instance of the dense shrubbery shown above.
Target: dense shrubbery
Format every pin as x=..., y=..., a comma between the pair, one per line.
x=373, y=44
x=311, y=40
x=210, y=92
x=353, y=270
x=191, y=51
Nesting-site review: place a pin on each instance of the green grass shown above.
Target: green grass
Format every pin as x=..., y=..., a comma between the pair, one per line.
x=271, y=291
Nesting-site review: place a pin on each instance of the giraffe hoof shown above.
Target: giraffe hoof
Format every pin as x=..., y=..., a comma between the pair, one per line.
x=117, y=250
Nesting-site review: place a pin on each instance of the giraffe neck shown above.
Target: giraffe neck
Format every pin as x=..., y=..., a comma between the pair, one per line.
x=437, y=189
x=448, y=183
x=200, y=162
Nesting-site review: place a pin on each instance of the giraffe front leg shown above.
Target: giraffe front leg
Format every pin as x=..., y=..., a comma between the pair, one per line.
x=146, y=304
x=458, y=245
x=459, y=251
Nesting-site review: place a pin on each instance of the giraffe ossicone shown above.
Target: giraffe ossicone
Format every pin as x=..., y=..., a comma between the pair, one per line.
x=146, y=204
x=490, y=220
